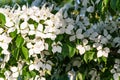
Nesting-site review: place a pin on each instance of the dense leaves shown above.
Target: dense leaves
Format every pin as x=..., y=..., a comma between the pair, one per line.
x=70, y=40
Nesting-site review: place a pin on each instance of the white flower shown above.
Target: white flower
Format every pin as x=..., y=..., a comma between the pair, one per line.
x=103, y=52
x=36, y=48
x=56, y=47
x=81, y=49
x=79, y=34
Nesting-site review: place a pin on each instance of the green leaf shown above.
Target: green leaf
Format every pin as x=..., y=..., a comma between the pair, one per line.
x=59, y=38
x=65, y=50
x=19, y=41
x=71, y=51
x=79, y=76
x=33, y=73
x=88, y=56
x=13, y=34
x=2, y=20
x=113, y=4
x=25, y=52
x=15, y=53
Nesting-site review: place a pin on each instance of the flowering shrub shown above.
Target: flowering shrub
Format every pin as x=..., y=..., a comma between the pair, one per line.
x=40, y=44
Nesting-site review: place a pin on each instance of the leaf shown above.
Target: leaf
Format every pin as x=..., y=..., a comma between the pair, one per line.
x=59, y=38
x=13, y=34
x=15, y=53
x=71, y=51
x=25, y=52
x=19, y=41
x=2, y=20
x=79, y=76
x=33, y=73
x=88, y=56
x=65, y=50
x=113, y=4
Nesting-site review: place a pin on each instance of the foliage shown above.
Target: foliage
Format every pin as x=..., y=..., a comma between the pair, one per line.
x=72, y=40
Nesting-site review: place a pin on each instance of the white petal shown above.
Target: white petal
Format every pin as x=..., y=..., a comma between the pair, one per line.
x=68, y=31
x=85, y=42
x=40, y=27
x=31, y=52
x=5, y=52
x=23, y=25
x=14, y=69
x=82, y=50
x=29, y=45
x=31, y=26
x=93, y=35
x=79, y=47
x=105, y=54
x=116, y=39
x=104, y=40
x=79, y=31
x=79, y=36
x=31, y=67
x=105, y=32
x=99, y=53
x=7, y=74
x=65, y=14
x=87, y=47
x=109, y=37
x=90, y=9
x=54, y=49
x=4, y=46
x=1, y=30
x=31, y=32
x=106, y=49
x=116, y=76
x=59, y=49
x=72, y=38
x=48, y=66
x=99, y=47
x=7, y=57
x=16, y=74
x=70, y=27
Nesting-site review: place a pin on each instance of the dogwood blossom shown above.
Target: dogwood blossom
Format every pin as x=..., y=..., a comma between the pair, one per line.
x=56, y=47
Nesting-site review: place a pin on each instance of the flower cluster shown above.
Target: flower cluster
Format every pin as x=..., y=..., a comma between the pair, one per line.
x=31, y=34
